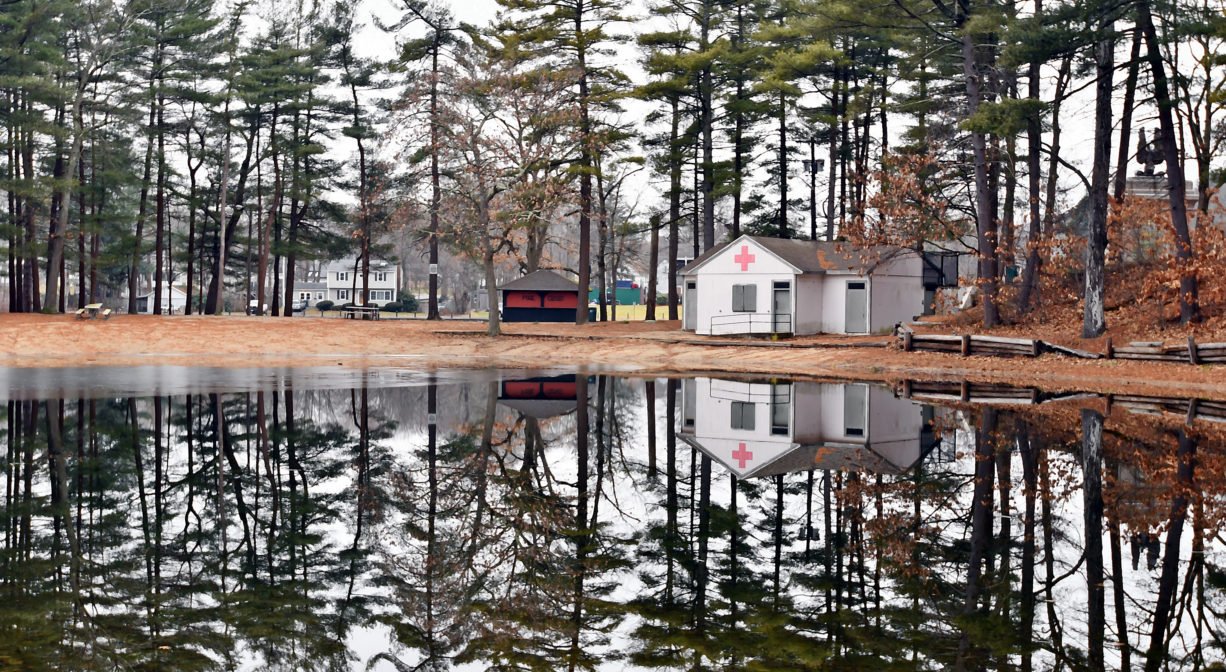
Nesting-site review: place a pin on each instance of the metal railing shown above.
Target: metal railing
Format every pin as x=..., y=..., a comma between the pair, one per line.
x=751, y=323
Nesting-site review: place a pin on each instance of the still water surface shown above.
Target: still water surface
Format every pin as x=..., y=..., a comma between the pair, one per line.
x=332, y=519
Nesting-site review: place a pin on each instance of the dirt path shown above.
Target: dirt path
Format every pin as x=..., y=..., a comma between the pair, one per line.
x=61, y=341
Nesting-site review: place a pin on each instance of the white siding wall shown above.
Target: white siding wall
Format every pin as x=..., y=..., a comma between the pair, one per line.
x=721, y=272
x=896, y=293
x=834, y=302
x=337, y=285
x=809, y=303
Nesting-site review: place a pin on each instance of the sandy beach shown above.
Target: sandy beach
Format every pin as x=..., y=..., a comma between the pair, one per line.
x=657, y=348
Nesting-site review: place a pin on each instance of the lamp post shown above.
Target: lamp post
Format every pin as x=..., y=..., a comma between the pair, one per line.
x=813, y=166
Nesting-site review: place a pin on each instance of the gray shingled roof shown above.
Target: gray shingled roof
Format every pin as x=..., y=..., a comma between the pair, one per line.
x=541, y=281
x=308, y=286
x=812, y=256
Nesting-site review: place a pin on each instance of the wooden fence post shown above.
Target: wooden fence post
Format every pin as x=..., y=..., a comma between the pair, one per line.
x=966, y=344
x=1193, y=356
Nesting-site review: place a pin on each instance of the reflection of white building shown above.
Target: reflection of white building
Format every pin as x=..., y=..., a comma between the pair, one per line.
x=763, y=429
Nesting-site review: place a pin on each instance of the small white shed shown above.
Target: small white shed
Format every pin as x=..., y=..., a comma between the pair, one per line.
x=174, y=300
x=759, y=285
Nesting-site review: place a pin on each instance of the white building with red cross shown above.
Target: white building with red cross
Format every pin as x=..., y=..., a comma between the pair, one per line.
x=759, y=285
x=760, y=429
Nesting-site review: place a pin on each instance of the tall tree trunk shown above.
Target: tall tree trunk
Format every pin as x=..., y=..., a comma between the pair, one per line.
x=436, y=194
x=1189, y=303
x=1094, y=321
x=1034, y=145
x=159, y=248
x=784, y=230
x=143, y=207
x=985, y=217
x=1130, y=97
x=653, y=266
x=586, y=138
x=834, y=153
x=674, y=204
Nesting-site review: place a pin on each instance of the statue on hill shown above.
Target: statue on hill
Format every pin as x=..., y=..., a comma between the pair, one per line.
x=1149, y=154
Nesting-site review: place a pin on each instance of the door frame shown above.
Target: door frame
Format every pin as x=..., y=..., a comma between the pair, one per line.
x=790, y=326
x=689, y=304
x=868, y=304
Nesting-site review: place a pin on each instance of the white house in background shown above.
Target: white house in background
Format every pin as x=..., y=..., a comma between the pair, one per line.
x=309, y=293
x=339, y=282
x=764, y=429
x=174, y=300
x=759, y=285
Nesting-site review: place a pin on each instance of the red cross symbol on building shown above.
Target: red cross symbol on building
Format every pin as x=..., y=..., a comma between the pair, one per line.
x=744, y=258
x=741, y=455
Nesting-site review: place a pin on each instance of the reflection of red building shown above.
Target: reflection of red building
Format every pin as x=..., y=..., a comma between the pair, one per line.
x=543, y=296
x=540, y=397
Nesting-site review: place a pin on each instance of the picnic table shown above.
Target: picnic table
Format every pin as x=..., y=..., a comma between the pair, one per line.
x=360, y=312
x=92, y=310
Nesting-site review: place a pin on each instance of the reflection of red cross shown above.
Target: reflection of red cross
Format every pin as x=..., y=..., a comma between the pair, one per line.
x=741, y=455
x=744, y=258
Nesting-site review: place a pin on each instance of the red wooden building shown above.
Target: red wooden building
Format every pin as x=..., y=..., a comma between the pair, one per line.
x=543, y=296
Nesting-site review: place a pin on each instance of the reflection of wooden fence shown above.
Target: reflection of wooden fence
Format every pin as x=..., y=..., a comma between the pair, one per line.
x=1005, y=395
x=1001, y=346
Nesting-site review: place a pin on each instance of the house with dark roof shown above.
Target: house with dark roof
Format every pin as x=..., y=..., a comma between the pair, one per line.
x=760, y=285
x=543, y=296
x=759, y=428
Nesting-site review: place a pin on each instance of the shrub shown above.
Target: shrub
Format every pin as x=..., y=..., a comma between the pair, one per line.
x=324, y=305
x=391, y=307
x=407, y=301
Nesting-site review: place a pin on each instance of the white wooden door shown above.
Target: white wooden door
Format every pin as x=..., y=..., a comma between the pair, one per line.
x=857, y=307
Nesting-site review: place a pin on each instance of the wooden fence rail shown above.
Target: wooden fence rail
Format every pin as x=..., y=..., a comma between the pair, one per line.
x=1003, y=395
x=1000, y=346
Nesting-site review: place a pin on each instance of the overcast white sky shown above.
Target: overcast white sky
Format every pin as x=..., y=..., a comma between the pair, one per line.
x=1076, y=116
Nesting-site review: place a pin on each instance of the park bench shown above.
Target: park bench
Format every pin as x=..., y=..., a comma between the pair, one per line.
x=92, y=310
x=360, y=312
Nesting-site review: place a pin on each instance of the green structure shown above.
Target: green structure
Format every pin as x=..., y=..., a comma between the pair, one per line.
x=627, y=293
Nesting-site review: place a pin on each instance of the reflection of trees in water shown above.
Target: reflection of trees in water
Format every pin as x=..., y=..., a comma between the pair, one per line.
x=134, y=537
x=262, y=529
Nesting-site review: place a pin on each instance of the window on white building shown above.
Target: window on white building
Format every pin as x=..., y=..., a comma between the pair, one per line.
x=742, y=415
x=342, y=294
x=342, y=275
x=744, y=298
x=380, y=277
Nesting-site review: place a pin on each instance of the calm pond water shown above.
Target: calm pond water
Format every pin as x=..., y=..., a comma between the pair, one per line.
x=332, y=519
